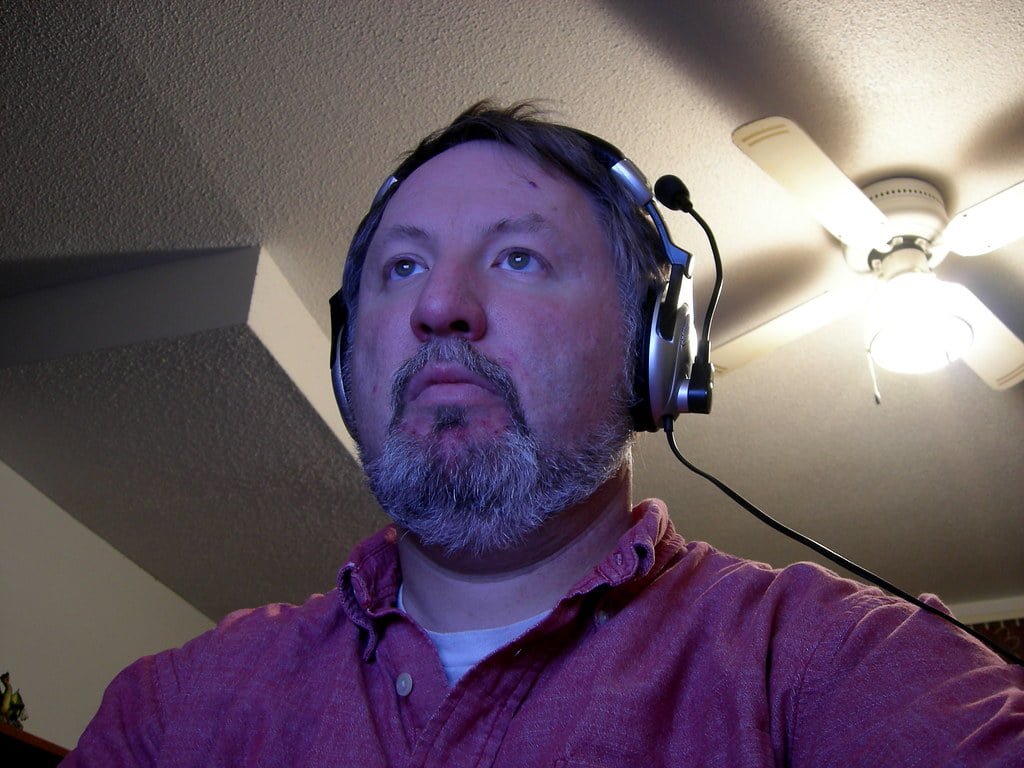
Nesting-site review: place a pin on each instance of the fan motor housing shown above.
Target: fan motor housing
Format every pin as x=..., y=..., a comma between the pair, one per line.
x=916, y=212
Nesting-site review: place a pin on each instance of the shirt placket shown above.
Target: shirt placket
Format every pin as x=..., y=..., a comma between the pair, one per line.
x=469, y=727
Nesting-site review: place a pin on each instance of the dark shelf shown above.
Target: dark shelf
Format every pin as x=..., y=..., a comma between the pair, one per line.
x=21, y=749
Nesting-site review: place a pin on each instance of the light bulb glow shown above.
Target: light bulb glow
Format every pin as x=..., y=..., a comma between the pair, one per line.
x=913, y=325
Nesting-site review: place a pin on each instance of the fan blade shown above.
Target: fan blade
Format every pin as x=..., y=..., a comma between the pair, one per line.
x=790, y=326
x=988, y=225
x=786, y=153
x=996, y=354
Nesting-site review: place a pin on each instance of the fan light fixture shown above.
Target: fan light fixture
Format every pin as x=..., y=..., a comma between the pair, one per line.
x=913, y=325
x=898, y=229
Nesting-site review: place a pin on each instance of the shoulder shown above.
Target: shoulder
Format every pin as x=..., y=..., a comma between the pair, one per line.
x=171, y=700
x=811, y=622
x=855, y=676
x=797, y=586
x=318, y=612
x=703, y=568
x=252, y=635
x=241, y=645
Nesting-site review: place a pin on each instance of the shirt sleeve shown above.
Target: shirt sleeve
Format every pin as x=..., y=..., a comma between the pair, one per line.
x=890, y=684
x=128, y=727
x=165, y=707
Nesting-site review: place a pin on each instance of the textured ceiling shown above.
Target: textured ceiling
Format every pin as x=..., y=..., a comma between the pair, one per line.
x=134, y=132
x=161, y=448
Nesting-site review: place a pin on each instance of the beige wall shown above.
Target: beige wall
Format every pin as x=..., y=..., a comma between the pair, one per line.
x=73, y=611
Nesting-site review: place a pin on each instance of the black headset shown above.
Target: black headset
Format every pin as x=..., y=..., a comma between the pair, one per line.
x=673, y=372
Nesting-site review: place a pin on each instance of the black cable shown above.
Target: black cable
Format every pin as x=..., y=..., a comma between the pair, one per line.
x=703, y=355
x=835, y=557
x=704, y=351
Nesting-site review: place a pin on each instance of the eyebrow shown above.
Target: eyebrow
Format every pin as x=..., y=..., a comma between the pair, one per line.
x=404, y=232
x=527, y=223
x=530, y=222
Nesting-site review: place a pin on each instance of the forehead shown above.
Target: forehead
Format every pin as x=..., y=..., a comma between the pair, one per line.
x=485, y=179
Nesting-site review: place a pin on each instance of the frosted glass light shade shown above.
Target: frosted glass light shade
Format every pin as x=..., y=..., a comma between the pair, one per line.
x=914, y=326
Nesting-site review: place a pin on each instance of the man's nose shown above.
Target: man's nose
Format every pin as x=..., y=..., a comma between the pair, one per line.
x=450, y=304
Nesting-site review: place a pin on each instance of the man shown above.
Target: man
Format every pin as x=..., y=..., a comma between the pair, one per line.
x=521, y=612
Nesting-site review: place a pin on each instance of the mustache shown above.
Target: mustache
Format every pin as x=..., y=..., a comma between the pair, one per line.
x=460, y=352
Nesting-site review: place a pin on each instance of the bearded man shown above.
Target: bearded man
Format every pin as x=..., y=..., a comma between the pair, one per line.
x=521, y=611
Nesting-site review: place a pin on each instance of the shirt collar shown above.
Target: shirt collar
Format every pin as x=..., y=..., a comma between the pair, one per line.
x=651, y=540
x=368, y=583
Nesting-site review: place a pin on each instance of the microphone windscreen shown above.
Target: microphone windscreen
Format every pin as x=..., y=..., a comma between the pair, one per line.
x=672, y=193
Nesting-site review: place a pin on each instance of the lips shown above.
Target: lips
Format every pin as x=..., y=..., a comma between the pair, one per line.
x=444, y=373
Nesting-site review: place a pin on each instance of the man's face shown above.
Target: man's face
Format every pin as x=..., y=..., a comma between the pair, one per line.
x=481, y=248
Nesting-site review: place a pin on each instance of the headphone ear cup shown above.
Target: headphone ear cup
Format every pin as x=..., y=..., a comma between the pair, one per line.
x=336, y=378
x=642, y=412
x=339, y=321
x=666, y=357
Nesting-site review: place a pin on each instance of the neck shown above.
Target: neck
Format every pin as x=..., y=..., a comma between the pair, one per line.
x=453, y=593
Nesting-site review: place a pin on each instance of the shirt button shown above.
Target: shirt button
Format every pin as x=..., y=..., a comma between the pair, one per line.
x=403, y=684
x=601, y=617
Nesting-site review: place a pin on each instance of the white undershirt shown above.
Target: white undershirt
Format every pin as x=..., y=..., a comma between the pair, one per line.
x=460, y=651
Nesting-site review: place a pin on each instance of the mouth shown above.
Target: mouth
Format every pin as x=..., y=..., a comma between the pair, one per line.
x=446, y=375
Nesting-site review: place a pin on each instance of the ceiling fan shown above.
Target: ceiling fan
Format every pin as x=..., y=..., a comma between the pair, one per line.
x=898, y=231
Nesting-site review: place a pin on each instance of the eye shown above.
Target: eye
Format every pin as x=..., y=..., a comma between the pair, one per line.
x=519, y=260
x=401, y=268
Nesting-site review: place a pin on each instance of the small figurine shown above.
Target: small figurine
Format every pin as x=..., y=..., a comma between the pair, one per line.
x=12, y=707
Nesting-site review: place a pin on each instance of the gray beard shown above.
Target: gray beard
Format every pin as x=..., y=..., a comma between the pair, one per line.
x=497, y=491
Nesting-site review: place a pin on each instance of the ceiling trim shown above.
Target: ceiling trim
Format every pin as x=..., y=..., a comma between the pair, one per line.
x=172, y=299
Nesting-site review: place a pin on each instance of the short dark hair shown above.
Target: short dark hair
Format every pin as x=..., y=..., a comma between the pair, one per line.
x=636, y=247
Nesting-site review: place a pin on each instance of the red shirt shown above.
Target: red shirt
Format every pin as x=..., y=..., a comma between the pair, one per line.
x=668, y=653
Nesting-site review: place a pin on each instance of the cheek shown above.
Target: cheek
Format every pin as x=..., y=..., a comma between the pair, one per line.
x=367, y=362
x=568, y=374
x=373, y=362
